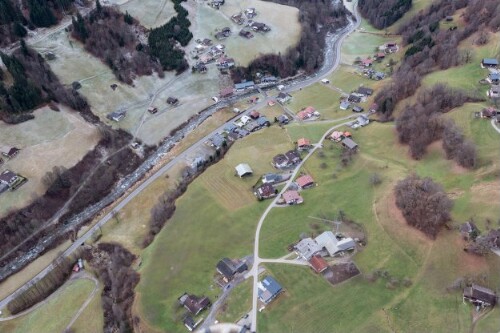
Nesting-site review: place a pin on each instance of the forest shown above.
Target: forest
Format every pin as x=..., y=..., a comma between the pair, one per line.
x=308, y=54
x=17, y=17
x=34, y=84
x=382, y=14
x=112, y=37
x=163, y=40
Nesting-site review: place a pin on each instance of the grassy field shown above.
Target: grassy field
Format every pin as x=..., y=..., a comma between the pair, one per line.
x=91, y=320
x=51, y=139
x=56, y=313
x=150, y=13
x=238, y=303
x=320, y=96
x=185, y=252
x=417, y=5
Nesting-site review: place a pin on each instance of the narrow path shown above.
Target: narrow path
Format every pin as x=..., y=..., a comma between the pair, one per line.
x=495, y=126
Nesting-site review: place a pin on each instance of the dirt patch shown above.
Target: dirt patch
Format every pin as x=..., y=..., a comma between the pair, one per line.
x=485, y=192
x=470, y=264
x=341, y=272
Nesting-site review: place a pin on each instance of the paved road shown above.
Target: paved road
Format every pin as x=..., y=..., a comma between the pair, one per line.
x=494, y=124
x=332, y=60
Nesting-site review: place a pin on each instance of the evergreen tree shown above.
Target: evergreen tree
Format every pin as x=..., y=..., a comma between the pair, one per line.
x=19, y=30
x=128, y=18
x=98, y=6
x=7, y=12
x=40, y=13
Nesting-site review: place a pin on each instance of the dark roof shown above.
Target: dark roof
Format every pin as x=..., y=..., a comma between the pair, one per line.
x=269, y=288
x=271, y=178
x=468, y=227
x=292, y=155
x=349, y=143
x=244, y=85
x=172, y=100
x=217, y=140
x=354, y=98
x=263, y=121
x=490, y=61
x=365, y=91
x=228, y=267
x=194, y=304
x=357, y=108
x=7, y=177
x=189, y=322
x=266, y=190
x=478, y=293
x=230, y=127
x=283, y=95
x=279, y=159
x=283, y=119
x=12, y=151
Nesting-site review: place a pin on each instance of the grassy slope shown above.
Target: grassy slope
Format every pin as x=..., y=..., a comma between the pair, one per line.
x=56, y=314
x=91, y=320
x=238, y=303
x=184, y=255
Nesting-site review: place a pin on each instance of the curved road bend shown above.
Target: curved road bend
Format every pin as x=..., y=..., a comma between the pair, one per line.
x=332, y=60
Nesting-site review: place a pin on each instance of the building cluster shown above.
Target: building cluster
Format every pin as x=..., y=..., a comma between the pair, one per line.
x=9, y=180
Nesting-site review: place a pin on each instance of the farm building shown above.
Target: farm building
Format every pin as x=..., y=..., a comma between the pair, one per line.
x=305, y=181
x=229, y=268
x=246, y=34
x=269, y=289
x=116, y=115
x=263, y=122
x=363, y=120
x=244, y=86
x=318, y=264
x=306, y=248
x=10, y=180
x=479, y=296
x=287, y=160
x=271, y=178
x=193, y=303
x=217, y=141
x=365, y=91
x=303, y=144
x=307, y=113
x=489, y=63
x=349, y=144
x=265, y=191
x=292, y=198
x=344, y=105
x=493, y=78
x=172, y=101
x=332, y=245
x=283, y=97
x=11, y=153
x=357, y=109
x=283, y=119
x=243, y=170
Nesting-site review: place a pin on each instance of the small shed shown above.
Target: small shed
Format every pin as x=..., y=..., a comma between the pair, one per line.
x=479, y=296
x=349, y=144
x=243, y=170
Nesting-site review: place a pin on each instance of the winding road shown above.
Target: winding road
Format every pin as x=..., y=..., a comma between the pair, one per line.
x=332, y=61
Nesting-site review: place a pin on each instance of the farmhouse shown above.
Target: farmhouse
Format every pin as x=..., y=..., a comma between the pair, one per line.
x=200, y=67
x=337, y=136
x=243, y=170
x=225, y=63
x=269, y=289
x=217, y=141
x=263, y=122
x=283, y=97
x=268, y=79
x=306, y=248
x=287, y=160
x=357, y=108
x=363, y=120
x=117, y=115
x=366, y=62
x=172, y=101
x=349, y=144
x=344, y=105
x=307, y=113
x=494, y=92
x=7, y=180
x=152, y=109
x=303, y=144
x=489, y=63
x=305, y=181
x=259, y=27
x=380, y=55
x=265, y=191
x=488, y=112
x=238, y=19
x=283, y=119
x=229, y=268
x=254, y=114
x=318, y=264
x=271, y=178
x=332, y=245
x=493, y=78
x=11, y=153
x=189, y=322
x=244, y=86
x=479, y=296
x=250, y=13
x=354, y=98
x=292, y=198
x=246, y=34
x=365, y=91
x=193, y=303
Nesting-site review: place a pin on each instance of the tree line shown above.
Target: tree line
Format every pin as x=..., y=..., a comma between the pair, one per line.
x=317, y=18
x=421, y=124
x=112, y=37
x=34, y=84
x=382, y=14
x=433, y=48
x=112, y=264
x=41, y=289
x=16, y=17
x=424, y=204
x=162, y=41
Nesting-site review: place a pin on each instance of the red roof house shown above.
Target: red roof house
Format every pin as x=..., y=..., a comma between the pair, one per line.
x=254, y=114
x=292, y=198
x=367, y=62
x=303, y=144
x=307, y=113
x=305, y=181
x=318, y=263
